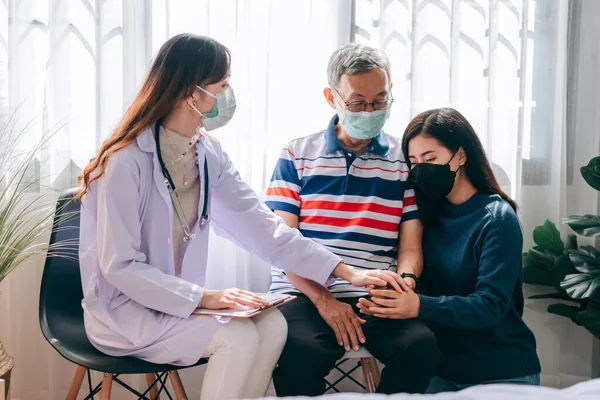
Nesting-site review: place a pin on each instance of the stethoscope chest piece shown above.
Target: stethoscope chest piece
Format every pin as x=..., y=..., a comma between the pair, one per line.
x=188, y=238
x=204, y=220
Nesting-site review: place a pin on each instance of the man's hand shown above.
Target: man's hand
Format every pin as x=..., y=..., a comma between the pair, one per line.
x=411, y=283
x=345, y=323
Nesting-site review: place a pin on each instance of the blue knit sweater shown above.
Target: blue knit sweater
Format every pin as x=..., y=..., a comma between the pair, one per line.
x=471, y=292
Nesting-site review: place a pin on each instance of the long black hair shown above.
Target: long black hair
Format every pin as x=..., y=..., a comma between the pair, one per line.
x=452, y=130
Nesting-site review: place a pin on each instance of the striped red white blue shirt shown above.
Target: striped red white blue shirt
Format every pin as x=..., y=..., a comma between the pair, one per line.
x=352, y=205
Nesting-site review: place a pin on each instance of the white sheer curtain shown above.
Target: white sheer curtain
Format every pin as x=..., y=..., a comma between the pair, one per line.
x=74, y=65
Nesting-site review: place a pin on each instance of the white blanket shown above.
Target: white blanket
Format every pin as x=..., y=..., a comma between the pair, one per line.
x=589, y=390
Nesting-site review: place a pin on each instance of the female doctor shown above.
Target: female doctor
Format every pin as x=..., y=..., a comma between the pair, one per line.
x=148, y=199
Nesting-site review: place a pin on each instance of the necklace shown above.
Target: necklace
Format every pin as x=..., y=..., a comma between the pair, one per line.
x=194, y=140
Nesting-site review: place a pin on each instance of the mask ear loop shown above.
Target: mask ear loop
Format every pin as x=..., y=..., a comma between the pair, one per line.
x=200, y=128
x=452, y=158
x=206, y=91
x=192, y=107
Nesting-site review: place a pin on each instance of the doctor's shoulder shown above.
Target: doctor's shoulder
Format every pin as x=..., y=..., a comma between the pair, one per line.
x=214, y=150
x=130, y=160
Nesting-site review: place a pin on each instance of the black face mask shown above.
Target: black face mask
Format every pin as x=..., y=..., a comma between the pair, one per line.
x=435, y=180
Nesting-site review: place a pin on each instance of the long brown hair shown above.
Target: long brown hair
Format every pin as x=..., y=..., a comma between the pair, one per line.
x=452, y=130
x=183, y=62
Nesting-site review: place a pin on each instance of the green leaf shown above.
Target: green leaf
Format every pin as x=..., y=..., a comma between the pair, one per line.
x=586, y=259
x=561, y=268
x=595, y=296
x=581, y=286
x=589, y=251
x=584, y=225
x=537, y=276
x=591, y=173
x=546, y=296
x=548, y=238
x=554, y=296
x=26, y=216
x=590, y=318
x=564, y=310
x=539, y=259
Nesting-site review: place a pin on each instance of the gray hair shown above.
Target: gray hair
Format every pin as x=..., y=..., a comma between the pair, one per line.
x=355, y=59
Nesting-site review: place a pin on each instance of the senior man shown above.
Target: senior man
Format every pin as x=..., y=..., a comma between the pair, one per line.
x=347, y=188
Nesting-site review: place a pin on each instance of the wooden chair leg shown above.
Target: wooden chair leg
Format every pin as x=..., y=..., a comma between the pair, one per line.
x=177, y=385
x=153, y=393
x=76, y=383
x=371, y=373
x=106, y=386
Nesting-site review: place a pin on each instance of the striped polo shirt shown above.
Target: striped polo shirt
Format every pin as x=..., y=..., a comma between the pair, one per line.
x=351, y=205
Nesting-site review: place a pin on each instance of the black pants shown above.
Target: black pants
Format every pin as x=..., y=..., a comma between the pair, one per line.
x=407, y=348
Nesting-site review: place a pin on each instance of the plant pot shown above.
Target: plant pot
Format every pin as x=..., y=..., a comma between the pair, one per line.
x=6, y=366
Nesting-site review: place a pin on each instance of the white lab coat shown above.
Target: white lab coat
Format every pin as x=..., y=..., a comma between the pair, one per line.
x=133, y=302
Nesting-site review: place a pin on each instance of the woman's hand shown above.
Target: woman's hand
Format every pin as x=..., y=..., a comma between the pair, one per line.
x=235, y=299
x=391, y=304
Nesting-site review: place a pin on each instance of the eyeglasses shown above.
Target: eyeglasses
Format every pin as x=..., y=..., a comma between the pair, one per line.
x=358, y=106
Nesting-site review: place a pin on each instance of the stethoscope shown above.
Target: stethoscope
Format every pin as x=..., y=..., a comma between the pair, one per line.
x=177, y=207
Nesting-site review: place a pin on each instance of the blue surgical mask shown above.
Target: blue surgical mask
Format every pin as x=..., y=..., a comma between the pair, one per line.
x=362, y=125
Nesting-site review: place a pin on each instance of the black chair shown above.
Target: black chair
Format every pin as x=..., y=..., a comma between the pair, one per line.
x=61, y=319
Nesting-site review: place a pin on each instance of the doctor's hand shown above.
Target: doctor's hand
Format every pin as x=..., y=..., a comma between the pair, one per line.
x=379, y=278
x=235, y=299
x=390, y=304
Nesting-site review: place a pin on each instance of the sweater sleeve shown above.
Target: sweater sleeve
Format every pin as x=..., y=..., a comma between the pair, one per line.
x=499, y=268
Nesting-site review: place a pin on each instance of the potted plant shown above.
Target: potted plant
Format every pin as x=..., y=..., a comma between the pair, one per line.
x=26, y=213
x=572, y=270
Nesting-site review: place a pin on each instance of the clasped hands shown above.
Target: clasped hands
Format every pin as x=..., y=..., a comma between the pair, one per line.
x=391, y=297
x=395, y=302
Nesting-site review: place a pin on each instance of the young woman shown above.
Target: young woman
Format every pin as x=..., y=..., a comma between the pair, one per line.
x=471, y=288
x=148, y=199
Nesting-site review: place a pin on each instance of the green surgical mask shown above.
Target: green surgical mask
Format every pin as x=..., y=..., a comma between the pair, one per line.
x=363, y=125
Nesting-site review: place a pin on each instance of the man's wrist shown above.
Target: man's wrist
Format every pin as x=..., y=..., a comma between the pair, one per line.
x=411, y=275
x=321, y=297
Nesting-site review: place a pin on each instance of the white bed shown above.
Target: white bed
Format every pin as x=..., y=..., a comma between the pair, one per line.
x=589, y=390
